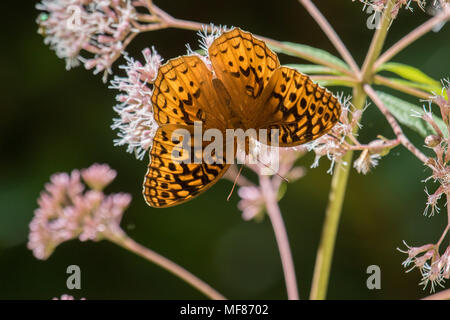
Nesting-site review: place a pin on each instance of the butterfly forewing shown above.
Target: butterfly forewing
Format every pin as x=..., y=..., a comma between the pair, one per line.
x=183, y=93
x=244, y=64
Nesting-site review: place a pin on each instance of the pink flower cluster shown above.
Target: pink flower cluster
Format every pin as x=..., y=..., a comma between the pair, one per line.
x=252, y=202
x=333, y=145
x=439, y=143
x=135, y=123
x=66, y=297
x=99, y=28
x=66, y=211
x=379, y=5
x=434, y=268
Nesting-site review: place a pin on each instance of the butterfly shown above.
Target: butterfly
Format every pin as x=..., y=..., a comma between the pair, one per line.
x=244, y=87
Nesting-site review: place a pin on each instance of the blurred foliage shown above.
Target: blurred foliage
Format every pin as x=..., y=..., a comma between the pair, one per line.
x=53, y=120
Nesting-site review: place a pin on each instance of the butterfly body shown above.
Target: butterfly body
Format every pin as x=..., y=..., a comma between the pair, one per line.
x=244, y=88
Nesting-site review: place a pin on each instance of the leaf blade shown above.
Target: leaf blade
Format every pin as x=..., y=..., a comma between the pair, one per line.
x=409, y=73
x=403, y=110
x=313, y=69
x=312, y=54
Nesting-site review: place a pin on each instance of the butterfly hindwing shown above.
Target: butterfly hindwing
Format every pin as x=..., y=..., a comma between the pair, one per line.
x=170, y=180
x=300, y=109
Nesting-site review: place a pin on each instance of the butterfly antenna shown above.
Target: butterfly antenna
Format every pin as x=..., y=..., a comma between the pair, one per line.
x=235, y=181
x=285, y=179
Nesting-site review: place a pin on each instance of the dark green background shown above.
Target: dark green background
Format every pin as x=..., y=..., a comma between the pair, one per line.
x=52, y=120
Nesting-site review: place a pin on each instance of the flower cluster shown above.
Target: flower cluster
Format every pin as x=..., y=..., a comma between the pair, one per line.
x=66, y=297
x=334, y=145
x=66, y=211
x=206, y=38
x=252, y=202
x=435, y=268
x=379, y=5
x=136, y=124
x=439, y=143
x=343, y=138
x=98, y=28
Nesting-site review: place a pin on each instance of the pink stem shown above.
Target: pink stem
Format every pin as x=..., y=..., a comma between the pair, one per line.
x=394, y=124
x=281, y=236
x=124, y=241
x=331, y=34
x=443, y=295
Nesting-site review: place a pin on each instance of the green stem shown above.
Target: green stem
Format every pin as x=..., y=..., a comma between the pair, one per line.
x=339, y=182
x=333, y=213
x=377, y=43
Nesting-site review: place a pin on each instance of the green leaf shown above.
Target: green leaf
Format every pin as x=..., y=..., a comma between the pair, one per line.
x=201, y=52
x=315, y=55
x=282, y=191
x=422, y=86
x=313, y=69
x=410, y=73
x=334, y=83
x=403, y=111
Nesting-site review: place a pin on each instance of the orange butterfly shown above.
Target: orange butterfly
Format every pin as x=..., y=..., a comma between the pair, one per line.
x=246, y=89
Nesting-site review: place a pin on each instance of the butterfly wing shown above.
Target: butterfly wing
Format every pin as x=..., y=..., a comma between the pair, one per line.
x=173, y=177
x=184, y=93
x=245, y=65
x=300, y=109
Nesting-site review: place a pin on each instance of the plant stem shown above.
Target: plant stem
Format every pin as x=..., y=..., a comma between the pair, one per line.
x=443, y=295
x=444, y=233
x=325, y=252
x=401, y=87
x=340, y=177
x=394, y=124
x=335, y=80
x=377, y=43
x=412, y=36
x=167, y=21
x=331, y=34
x=129, y=244
x=303, y=55
x=279, y=229
x=447, y=229
x=332, y=215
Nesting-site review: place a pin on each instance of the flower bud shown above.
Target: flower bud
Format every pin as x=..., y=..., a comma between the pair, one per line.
x=378, y=147
x=432, y=140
